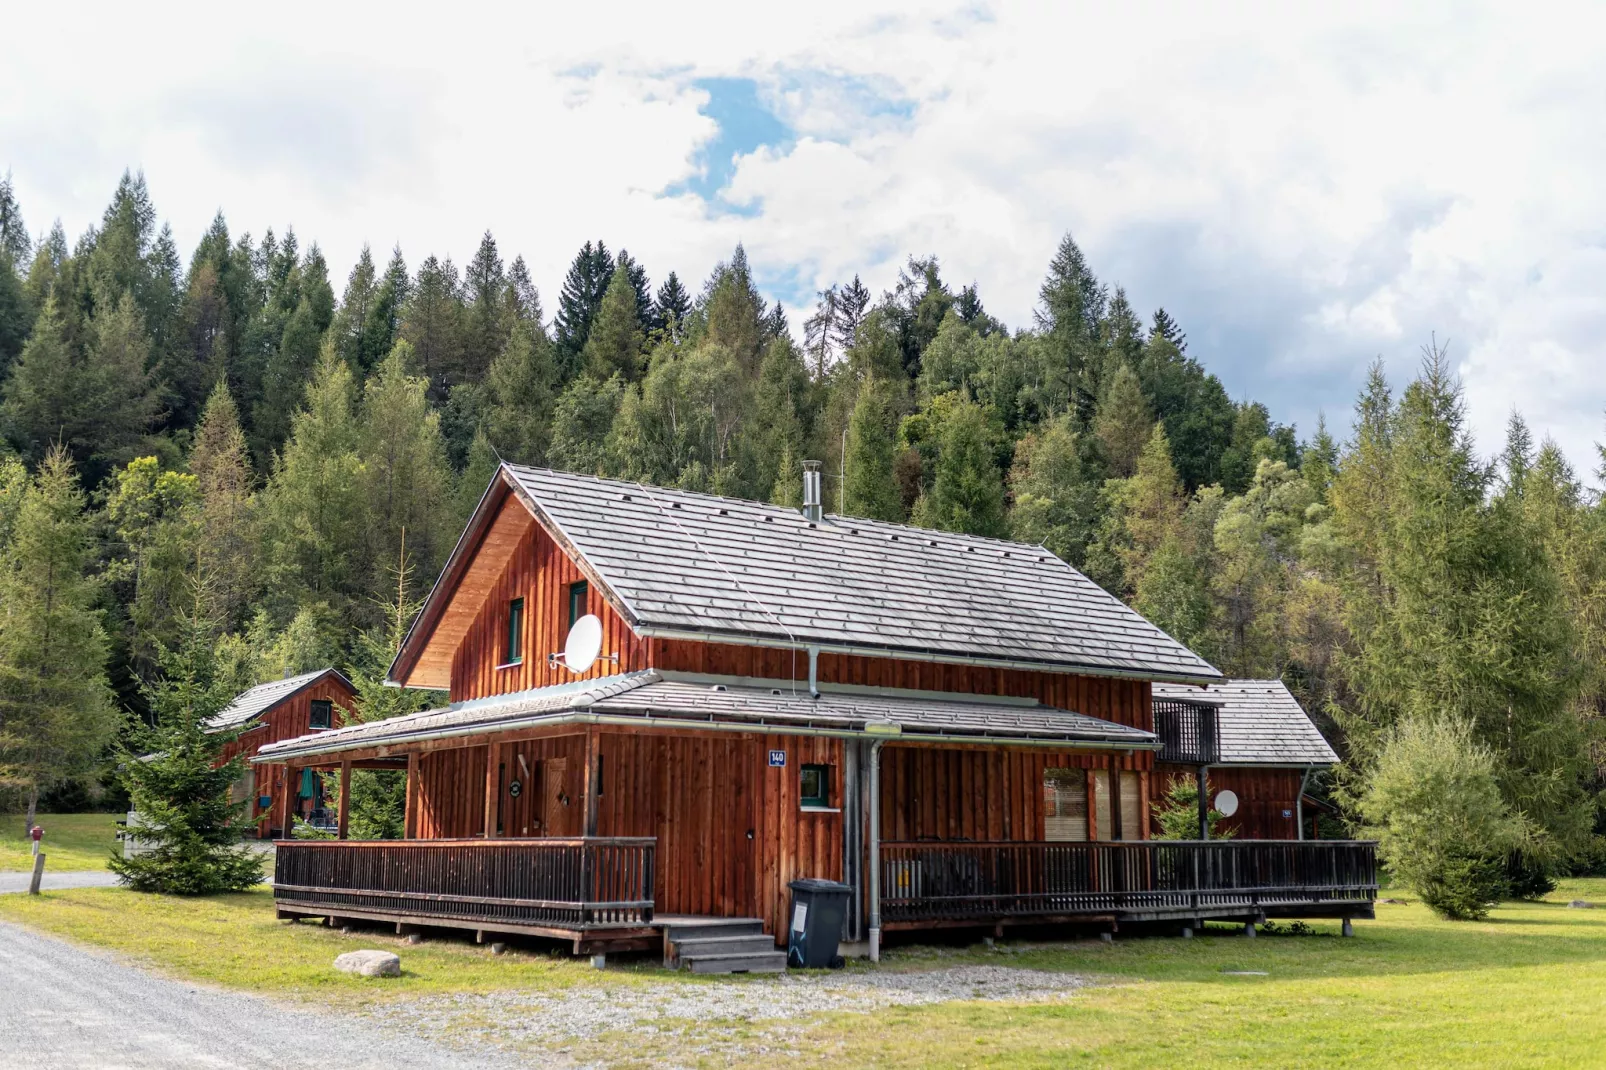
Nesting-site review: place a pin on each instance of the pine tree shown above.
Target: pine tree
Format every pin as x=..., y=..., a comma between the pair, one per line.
x=178, y=785
x=871, y=490
x=56, y=707
x=967, y=493
x=578, y=302
x=615, y=340
x=671, y=307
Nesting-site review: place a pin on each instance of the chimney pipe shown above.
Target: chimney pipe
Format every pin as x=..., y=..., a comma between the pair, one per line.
x=812, y=510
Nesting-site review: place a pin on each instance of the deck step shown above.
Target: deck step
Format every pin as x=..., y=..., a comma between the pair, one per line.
x=716, y=946
x=752, y=962
x=702, y=929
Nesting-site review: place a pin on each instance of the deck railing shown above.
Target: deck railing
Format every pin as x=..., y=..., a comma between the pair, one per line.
x=1188, y=732
x=924, y=882
x=583, y=883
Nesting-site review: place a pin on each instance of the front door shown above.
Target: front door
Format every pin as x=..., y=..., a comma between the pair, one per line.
x=559, y=807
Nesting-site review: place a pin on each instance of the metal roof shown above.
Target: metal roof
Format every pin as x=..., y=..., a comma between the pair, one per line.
x=251, y=704
x=649, y=696
x=1261, y=723
x=698, y=566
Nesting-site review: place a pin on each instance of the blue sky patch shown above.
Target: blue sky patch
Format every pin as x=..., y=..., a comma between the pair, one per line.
x=746, y=124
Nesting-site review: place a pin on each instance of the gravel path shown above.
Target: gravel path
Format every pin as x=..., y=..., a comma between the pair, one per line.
x=73, y=878
x=676, y=1008
x=61, y=1006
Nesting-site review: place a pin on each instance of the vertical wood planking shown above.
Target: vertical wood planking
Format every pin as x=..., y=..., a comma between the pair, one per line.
x=287, y=719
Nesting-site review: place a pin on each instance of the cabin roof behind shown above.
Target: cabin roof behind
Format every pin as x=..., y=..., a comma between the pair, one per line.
x=248, y=705
x=1261, y=723
x=699, y=566
x=650, y=696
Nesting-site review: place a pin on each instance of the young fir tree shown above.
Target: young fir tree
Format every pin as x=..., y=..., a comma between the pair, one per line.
x=967, y=493
x=613, y=345
x=56, y=707
x=870, y=488
x=177, y=784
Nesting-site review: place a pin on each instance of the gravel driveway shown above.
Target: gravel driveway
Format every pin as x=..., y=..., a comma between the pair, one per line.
x=61, y=1006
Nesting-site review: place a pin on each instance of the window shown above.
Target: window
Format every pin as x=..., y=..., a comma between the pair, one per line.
x=1125, y=809
x=578, y=591
x=515, y=632
x=1065, y=805
x=815, y=786
x=322, y=713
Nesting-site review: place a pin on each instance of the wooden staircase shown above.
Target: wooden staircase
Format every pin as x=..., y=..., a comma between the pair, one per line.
x=720, y=945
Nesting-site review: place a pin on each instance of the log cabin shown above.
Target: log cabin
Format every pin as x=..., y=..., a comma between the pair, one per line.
x=959, y=729
x=295, y=706
x=1267, y=749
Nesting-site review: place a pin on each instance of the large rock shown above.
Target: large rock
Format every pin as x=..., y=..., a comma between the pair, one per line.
x=370, y=963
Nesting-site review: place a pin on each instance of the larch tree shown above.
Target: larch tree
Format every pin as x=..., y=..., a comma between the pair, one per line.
x=1056, y=504
x=228, y=547
x=1123, y=421
x=57, y=712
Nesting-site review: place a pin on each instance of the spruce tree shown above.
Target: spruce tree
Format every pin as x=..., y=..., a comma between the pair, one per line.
x=14, y=240
x=352, y=319
x=578, y=302
x=179, y=787
x=967, y=493
x=852, y=305
x=432, y=323
x=382, y=326
x=734, y=312
x=485, y=321
x=56, y=707
x=870, y=488
x=671, y=307
x=520, y=396
x=613, y=345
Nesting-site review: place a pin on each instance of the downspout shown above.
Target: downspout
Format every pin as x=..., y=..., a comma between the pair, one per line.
x=814, y=672
x=875, y=851
x=1299, y=803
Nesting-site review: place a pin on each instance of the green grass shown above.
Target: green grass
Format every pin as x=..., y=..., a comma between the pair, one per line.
x=72, y=841
x=1522, y=989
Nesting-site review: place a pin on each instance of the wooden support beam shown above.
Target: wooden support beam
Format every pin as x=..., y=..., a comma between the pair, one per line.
x=493, y=787
x=344, y=813
x=591, y=782
x=286, y=800
x=410, y=815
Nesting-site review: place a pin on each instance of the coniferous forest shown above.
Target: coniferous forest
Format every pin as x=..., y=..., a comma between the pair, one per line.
x=282, y=451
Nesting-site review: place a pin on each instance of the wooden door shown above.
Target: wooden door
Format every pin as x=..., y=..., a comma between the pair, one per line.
x=559, y=807
x=707, y=825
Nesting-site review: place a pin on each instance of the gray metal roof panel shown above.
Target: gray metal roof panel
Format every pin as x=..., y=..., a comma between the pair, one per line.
x=248, y=705
x=703, y=564
x=1261, y=723
x=646, y=694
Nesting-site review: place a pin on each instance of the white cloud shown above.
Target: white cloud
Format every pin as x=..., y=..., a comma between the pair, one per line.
x=1304, y=188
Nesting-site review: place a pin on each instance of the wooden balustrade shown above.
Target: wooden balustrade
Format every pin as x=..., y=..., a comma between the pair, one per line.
x=1189, y=732
x=582, y=883
x=925, y=882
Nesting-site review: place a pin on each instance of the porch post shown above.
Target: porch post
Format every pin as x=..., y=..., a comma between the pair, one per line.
x=591, y=782
x=410, y=816
x=1116, y=824
x=286, y=807
x=1203, y=776
x=493, y=786
x=345, y=801
x=875, y=851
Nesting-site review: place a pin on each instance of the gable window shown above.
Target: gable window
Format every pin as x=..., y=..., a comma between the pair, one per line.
x=515, y=633
x=814, y=787
x=1065, y=805
x=322, y=713
x=579, y=591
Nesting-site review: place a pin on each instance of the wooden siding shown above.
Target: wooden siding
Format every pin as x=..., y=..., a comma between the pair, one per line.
x=539, y=572
x=984, y=795
x=451, y=794
x=1263, y=796
x=287, y=720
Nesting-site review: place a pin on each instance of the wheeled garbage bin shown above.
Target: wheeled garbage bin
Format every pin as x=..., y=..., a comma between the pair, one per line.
x=818, y=909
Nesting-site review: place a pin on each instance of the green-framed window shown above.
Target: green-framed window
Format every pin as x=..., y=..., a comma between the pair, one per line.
x=579, y=593
x=814, y=786
x=323, y=714
x=515, y=632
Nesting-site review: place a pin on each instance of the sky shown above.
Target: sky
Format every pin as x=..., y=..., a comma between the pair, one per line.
x=1305, y=188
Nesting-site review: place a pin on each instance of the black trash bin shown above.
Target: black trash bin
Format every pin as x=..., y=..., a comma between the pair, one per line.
x=818, y=909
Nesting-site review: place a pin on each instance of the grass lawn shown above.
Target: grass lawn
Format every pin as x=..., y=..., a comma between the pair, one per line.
x=1524, y=988
x=72, y=841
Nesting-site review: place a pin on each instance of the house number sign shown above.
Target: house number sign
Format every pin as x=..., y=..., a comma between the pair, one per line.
x=778, y=759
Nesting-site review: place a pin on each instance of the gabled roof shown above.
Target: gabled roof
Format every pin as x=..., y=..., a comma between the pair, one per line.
x=675, y=564
x=655, y=697
x=1261, y=723
x=248, y=705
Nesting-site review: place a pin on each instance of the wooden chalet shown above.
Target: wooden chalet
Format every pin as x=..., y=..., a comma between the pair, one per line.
x=290, y=708
x=960, y=729
x=1266, y=749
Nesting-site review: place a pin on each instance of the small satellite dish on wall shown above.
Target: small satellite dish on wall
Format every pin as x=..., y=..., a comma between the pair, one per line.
x=584, y=644
x=1226, y=803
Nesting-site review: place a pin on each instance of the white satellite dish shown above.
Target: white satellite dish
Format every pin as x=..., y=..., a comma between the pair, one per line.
x=584, y=644
x=1226, y=803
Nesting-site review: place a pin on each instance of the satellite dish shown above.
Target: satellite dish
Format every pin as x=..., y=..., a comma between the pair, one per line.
x=1227, y=803
x=584, y=644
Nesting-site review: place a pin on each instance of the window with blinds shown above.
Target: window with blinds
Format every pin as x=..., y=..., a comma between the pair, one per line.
x=1131, y=806
x=1065, y=805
